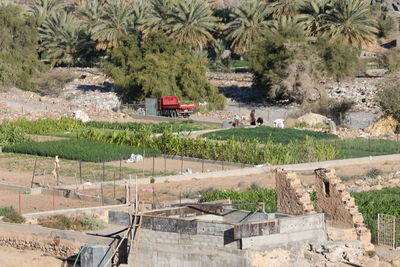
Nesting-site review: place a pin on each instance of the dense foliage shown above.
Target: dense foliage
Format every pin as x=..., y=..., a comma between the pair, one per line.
x=251, y=195
x=79, y=150
x=67, y=124
x=389, y=97
x=18, y=43
x=134, y=65
x=250, y=152
x=268, y=134
x=11, y=134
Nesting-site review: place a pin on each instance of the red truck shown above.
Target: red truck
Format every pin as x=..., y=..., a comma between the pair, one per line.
x=169, y=106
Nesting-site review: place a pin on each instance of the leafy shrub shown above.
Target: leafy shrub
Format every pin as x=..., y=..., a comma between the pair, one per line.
x=46, y=126
x=301, y=124
x=268, y=60
x=18, y=57
x=11, y=215
x=78, y=150
x=11, y=134
x=6, y=210
x=251, y=195
x=390, y=60
x=265, y=134
x=78, y=223
x=389, y=97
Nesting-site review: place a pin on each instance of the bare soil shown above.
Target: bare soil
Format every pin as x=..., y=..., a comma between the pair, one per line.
x=38, y=203
x=11, y=257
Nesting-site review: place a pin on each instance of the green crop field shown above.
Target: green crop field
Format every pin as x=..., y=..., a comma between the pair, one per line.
x=84, y=150
x=268, y=134
x=66, y=124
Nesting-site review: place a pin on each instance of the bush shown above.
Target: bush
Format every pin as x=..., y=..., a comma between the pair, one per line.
x=11, y=134
x=18, y=57
x=78, y=223
x=390, y=59
x=79, y=150
x=389, y=97
x=340, y=60
x=11, y=215
x=339, y=109
x=268, y=60
x=158, y=67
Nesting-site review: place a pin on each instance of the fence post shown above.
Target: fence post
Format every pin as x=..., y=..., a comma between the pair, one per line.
x=182, y=162
x=104, y=172
x=114, y=185
x=153, y=165
x=33, y=173
x=19, y=203
x=80, y=171
x=54, y=199
x=165, y=164
x=102, y=195
x=120, y=169
x=379, y=238
x=394, y=232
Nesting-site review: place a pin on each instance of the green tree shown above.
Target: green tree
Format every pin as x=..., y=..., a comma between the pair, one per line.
x=158, y=16
x=63, y=38
x=42, y=9
x=268, y=60
x=350, y=22
x=249, y=22
x=312, y=13
x=90, y=13
x=284, y=8
x=341, y=60
x=116, y=21
x=158, y=67
x=18, y=44
x=191, y=22
x=389, y=97
x=289, y=28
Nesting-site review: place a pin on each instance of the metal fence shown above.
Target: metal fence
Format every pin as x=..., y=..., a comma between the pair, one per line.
x=388, y=231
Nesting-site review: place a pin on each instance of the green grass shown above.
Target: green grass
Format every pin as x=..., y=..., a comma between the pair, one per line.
x=78, y=223
x=251, y=195
x=68, y=127
x=83, y=150
x=361, y=147
x=11, y=215
x=265, y=134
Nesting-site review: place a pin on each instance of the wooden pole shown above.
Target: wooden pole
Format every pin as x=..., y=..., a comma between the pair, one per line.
x=129, y=187
x=104, y=172
x=83, y=195
x=114, y=185
x=153, y=165
x=80, y=171
x=33, y=173
x=136, y=195
x=182, y=163
x=54, y=199
x=154, y=205
x=19, y=203
x=144, y=158
x=120, y=169
x=102, y=194
x=165, y=164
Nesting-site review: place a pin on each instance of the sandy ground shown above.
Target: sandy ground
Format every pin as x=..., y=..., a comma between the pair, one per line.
x=17, y=169
x=11, y=257
x=37, y=203
x=174, y=190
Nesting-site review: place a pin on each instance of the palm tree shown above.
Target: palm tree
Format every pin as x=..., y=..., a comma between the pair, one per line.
x=42, y=9
x=287, y=8
x=287, y=28
x=116, y=21
x=350, y=21
x=312, y=13
x=61, y=36
x=191, y=22
x=91, y=13
x=249, y=21
x=158, y=15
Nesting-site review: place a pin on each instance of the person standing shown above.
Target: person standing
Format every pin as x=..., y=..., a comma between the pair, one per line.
x=253, y=117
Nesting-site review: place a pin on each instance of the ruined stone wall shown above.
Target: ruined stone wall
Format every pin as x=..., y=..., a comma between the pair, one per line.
x=292, y=198
x=335, y=200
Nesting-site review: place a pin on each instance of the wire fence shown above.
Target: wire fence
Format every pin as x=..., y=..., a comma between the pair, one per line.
x=388, y=231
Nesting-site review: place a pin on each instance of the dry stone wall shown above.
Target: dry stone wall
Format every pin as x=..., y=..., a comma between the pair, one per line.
x=292, y=198
x=335, y=200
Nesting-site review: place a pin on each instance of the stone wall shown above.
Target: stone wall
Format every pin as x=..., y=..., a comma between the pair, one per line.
x=335, y=200
x=292, y=198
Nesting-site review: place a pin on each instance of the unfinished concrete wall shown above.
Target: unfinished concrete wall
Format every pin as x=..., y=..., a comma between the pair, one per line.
x=335, y=200
x=291, y=196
